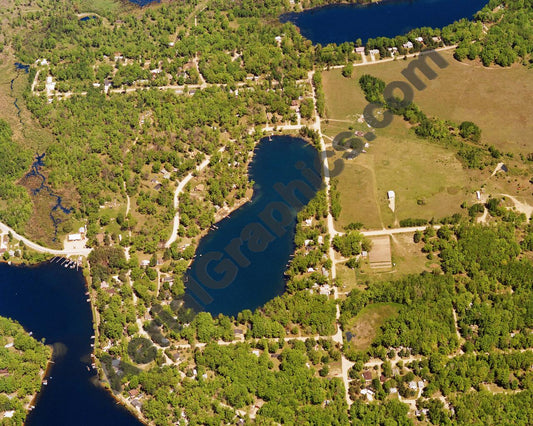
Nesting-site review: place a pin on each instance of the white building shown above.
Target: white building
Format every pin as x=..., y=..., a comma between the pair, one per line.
x=74, y=237
x=391, y=195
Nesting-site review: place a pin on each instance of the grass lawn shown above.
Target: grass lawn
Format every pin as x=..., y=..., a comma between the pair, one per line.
x=365, y=326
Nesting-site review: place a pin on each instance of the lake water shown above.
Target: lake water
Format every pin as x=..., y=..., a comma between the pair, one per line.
x=229, y=273
x=49, y=301
x=340, y=23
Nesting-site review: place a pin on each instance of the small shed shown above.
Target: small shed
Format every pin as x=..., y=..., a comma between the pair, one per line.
x=391, y=195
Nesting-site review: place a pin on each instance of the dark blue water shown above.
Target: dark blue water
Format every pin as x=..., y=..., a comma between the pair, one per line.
x=49, y=300
x=241, y=264
x=143, y=3
x=19, y=66
x=87, y=18
x=36, y=171
x=26, y=69
x=340, y=23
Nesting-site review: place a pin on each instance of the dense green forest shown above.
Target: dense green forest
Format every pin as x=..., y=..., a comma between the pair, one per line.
x=15, y=203
x=23, y=361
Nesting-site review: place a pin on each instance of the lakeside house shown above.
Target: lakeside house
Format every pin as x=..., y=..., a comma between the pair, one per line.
x=408, y=45
x=360, y=50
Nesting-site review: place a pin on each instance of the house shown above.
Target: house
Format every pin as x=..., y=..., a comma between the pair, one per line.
x=111, y=291
x=436, y=39
x=412, y=385
x=360, y=50
x=9, y=414
x=325, y=290
x=419, y=39
x=74, y=237
x=391, y=195
x=145, y=262
x=408, y=45
x=367, y=376
x=133, y=393
x=167, y=280
x=369, y=394
x=309, y=222
x=393, y=390
x=137, y=404
x=420, y=384
x=238, y=332
x=374, y=52
x=320, y=239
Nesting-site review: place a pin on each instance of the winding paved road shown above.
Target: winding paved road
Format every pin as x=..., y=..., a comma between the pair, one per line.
x=41, y=249
x=178, y=191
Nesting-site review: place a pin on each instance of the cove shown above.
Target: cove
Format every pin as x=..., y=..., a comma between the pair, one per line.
x=240, y=263
x=49, y=300
x=347, y=22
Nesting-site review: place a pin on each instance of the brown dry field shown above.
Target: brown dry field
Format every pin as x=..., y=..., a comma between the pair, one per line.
x=365, y=326
x=428, y=179
x=497, y=99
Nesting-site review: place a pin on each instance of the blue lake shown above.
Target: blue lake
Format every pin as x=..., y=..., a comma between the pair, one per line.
x=241, y=264
x=341, y=23
x=143, y=3
x=49, y=300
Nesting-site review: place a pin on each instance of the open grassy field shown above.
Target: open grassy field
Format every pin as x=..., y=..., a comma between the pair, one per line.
x=407, y=258
x=365, y=326
x=496, y=99
x=428, y=180
x=99, y=6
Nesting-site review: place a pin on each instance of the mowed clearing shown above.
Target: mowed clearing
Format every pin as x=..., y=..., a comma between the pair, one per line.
x=365, y=326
